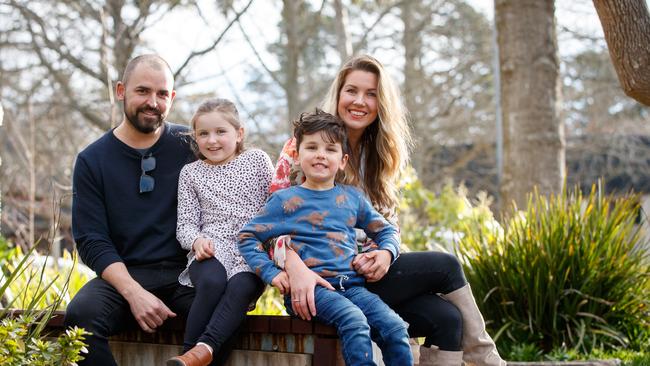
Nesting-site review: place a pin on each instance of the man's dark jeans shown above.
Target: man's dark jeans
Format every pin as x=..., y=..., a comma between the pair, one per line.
x=100, y=309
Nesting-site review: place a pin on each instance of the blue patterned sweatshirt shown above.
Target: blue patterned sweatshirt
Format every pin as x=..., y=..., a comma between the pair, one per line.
x=321, y=225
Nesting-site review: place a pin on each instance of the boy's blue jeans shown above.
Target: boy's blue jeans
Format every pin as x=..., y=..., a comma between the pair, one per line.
x=359, y=316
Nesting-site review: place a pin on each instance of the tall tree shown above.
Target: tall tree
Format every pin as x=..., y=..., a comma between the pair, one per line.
x=82, y=46
x=343, y=41
x=530, y=93
x=447, y=84
x=626, y=24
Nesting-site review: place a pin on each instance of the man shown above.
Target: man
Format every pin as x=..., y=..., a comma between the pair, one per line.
x=124, y=214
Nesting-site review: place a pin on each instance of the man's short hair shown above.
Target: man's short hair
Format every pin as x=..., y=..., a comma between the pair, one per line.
x=330, y=125
x=152, y=60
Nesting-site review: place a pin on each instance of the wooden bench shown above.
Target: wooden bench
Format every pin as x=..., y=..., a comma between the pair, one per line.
x=263, y=340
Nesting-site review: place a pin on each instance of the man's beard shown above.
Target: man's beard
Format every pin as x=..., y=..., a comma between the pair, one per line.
x=142, y=125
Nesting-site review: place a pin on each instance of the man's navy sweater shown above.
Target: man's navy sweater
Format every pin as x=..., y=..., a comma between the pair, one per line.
x=112, y=221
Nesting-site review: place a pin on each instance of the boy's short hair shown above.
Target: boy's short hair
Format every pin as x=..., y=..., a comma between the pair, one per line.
x=332, y=126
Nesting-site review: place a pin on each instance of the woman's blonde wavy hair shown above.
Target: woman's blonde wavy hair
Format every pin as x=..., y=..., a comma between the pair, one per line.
x=385, y=143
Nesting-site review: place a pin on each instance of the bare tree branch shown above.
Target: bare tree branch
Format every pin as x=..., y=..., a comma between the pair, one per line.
x=214, y=44
x=381, y=16
x=58, y=46
x=69, y=93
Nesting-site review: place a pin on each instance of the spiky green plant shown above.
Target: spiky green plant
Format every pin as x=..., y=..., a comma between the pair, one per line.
x=570, y=270
x=23, y=340
x=64, y=277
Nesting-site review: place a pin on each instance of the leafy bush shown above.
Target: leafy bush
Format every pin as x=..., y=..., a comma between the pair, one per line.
x=22, y=339
x=36, y=270
x=23, y=346
x=626, y=356
x=571, y=271
x=430, y=221
x=270, y=303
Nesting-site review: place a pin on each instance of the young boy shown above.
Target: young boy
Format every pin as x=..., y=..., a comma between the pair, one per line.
x=320, y=217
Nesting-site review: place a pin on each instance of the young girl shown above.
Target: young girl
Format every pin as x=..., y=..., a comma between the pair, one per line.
x=217, y=195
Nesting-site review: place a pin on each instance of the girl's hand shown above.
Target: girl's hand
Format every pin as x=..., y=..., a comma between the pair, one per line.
x=203, y=249
x=373, y=265
x=281, y=282
x=302, y=282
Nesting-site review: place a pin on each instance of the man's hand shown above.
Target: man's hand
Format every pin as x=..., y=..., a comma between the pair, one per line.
x=302, y=282
x=281, y=282
x=149, y=311
x=373, y=265
x=202, y=249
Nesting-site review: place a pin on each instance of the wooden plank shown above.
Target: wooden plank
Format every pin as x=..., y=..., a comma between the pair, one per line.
x=280, y=325
x=147, y=354
x=143, y=354
x=327, y=352
x=259, y=358
x=300, y=326
x=257, y=323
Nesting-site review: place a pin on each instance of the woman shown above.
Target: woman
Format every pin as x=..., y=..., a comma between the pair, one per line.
x=366, y=99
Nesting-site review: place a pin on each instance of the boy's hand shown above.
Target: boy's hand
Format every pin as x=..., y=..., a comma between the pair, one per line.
x=281, y=282
x=202, y=249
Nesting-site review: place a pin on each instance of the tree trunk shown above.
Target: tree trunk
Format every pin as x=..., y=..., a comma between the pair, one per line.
x=290, y=13
x=343, y=41
x=413, y=75
x=412, y=42
x=626, y=24
x=530, y=90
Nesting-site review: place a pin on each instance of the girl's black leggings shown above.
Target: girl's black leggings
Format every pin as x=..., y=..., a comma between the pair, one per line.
x=220, y=305
x=411, y=288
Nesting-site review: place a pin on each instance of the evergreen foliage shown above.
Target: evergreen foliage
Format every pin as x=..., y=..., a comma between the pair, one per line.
x=23, y=340
x=569, y=271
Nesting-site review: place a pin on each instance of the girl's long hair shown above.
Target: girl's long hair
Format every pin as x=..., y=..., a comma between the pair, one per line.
x=385, y=143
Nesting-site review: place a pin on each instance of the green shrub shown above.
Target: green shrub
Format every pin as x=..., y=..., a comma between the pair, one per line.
x=430, y=221
x=524, y=352
x=270, y=303
x=21, y=346
x=570, y=271
x=22, y=339
x=36, y=270
x=627, y=357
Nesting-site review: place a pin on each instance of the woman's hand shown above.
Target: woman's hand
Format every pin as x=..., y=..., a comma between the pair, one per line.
x=202, y=249
x=302, y=282
x=373, y=265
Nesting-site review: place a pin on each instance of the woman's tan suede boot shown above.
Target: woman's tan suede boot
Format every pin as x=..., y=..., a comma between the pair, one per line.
x=433, y=356
x=199, y=355
x=478, y=347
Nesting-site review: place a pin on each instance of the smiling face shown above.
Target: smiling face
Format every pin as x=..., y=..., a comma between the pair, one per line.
x=147, y=96
x=217, y=138
x=357, y=103
x=320, y=159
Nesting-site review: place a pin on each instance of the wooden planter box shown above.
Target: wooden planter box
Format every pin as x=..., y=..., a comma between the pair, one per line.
x=263, y=340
